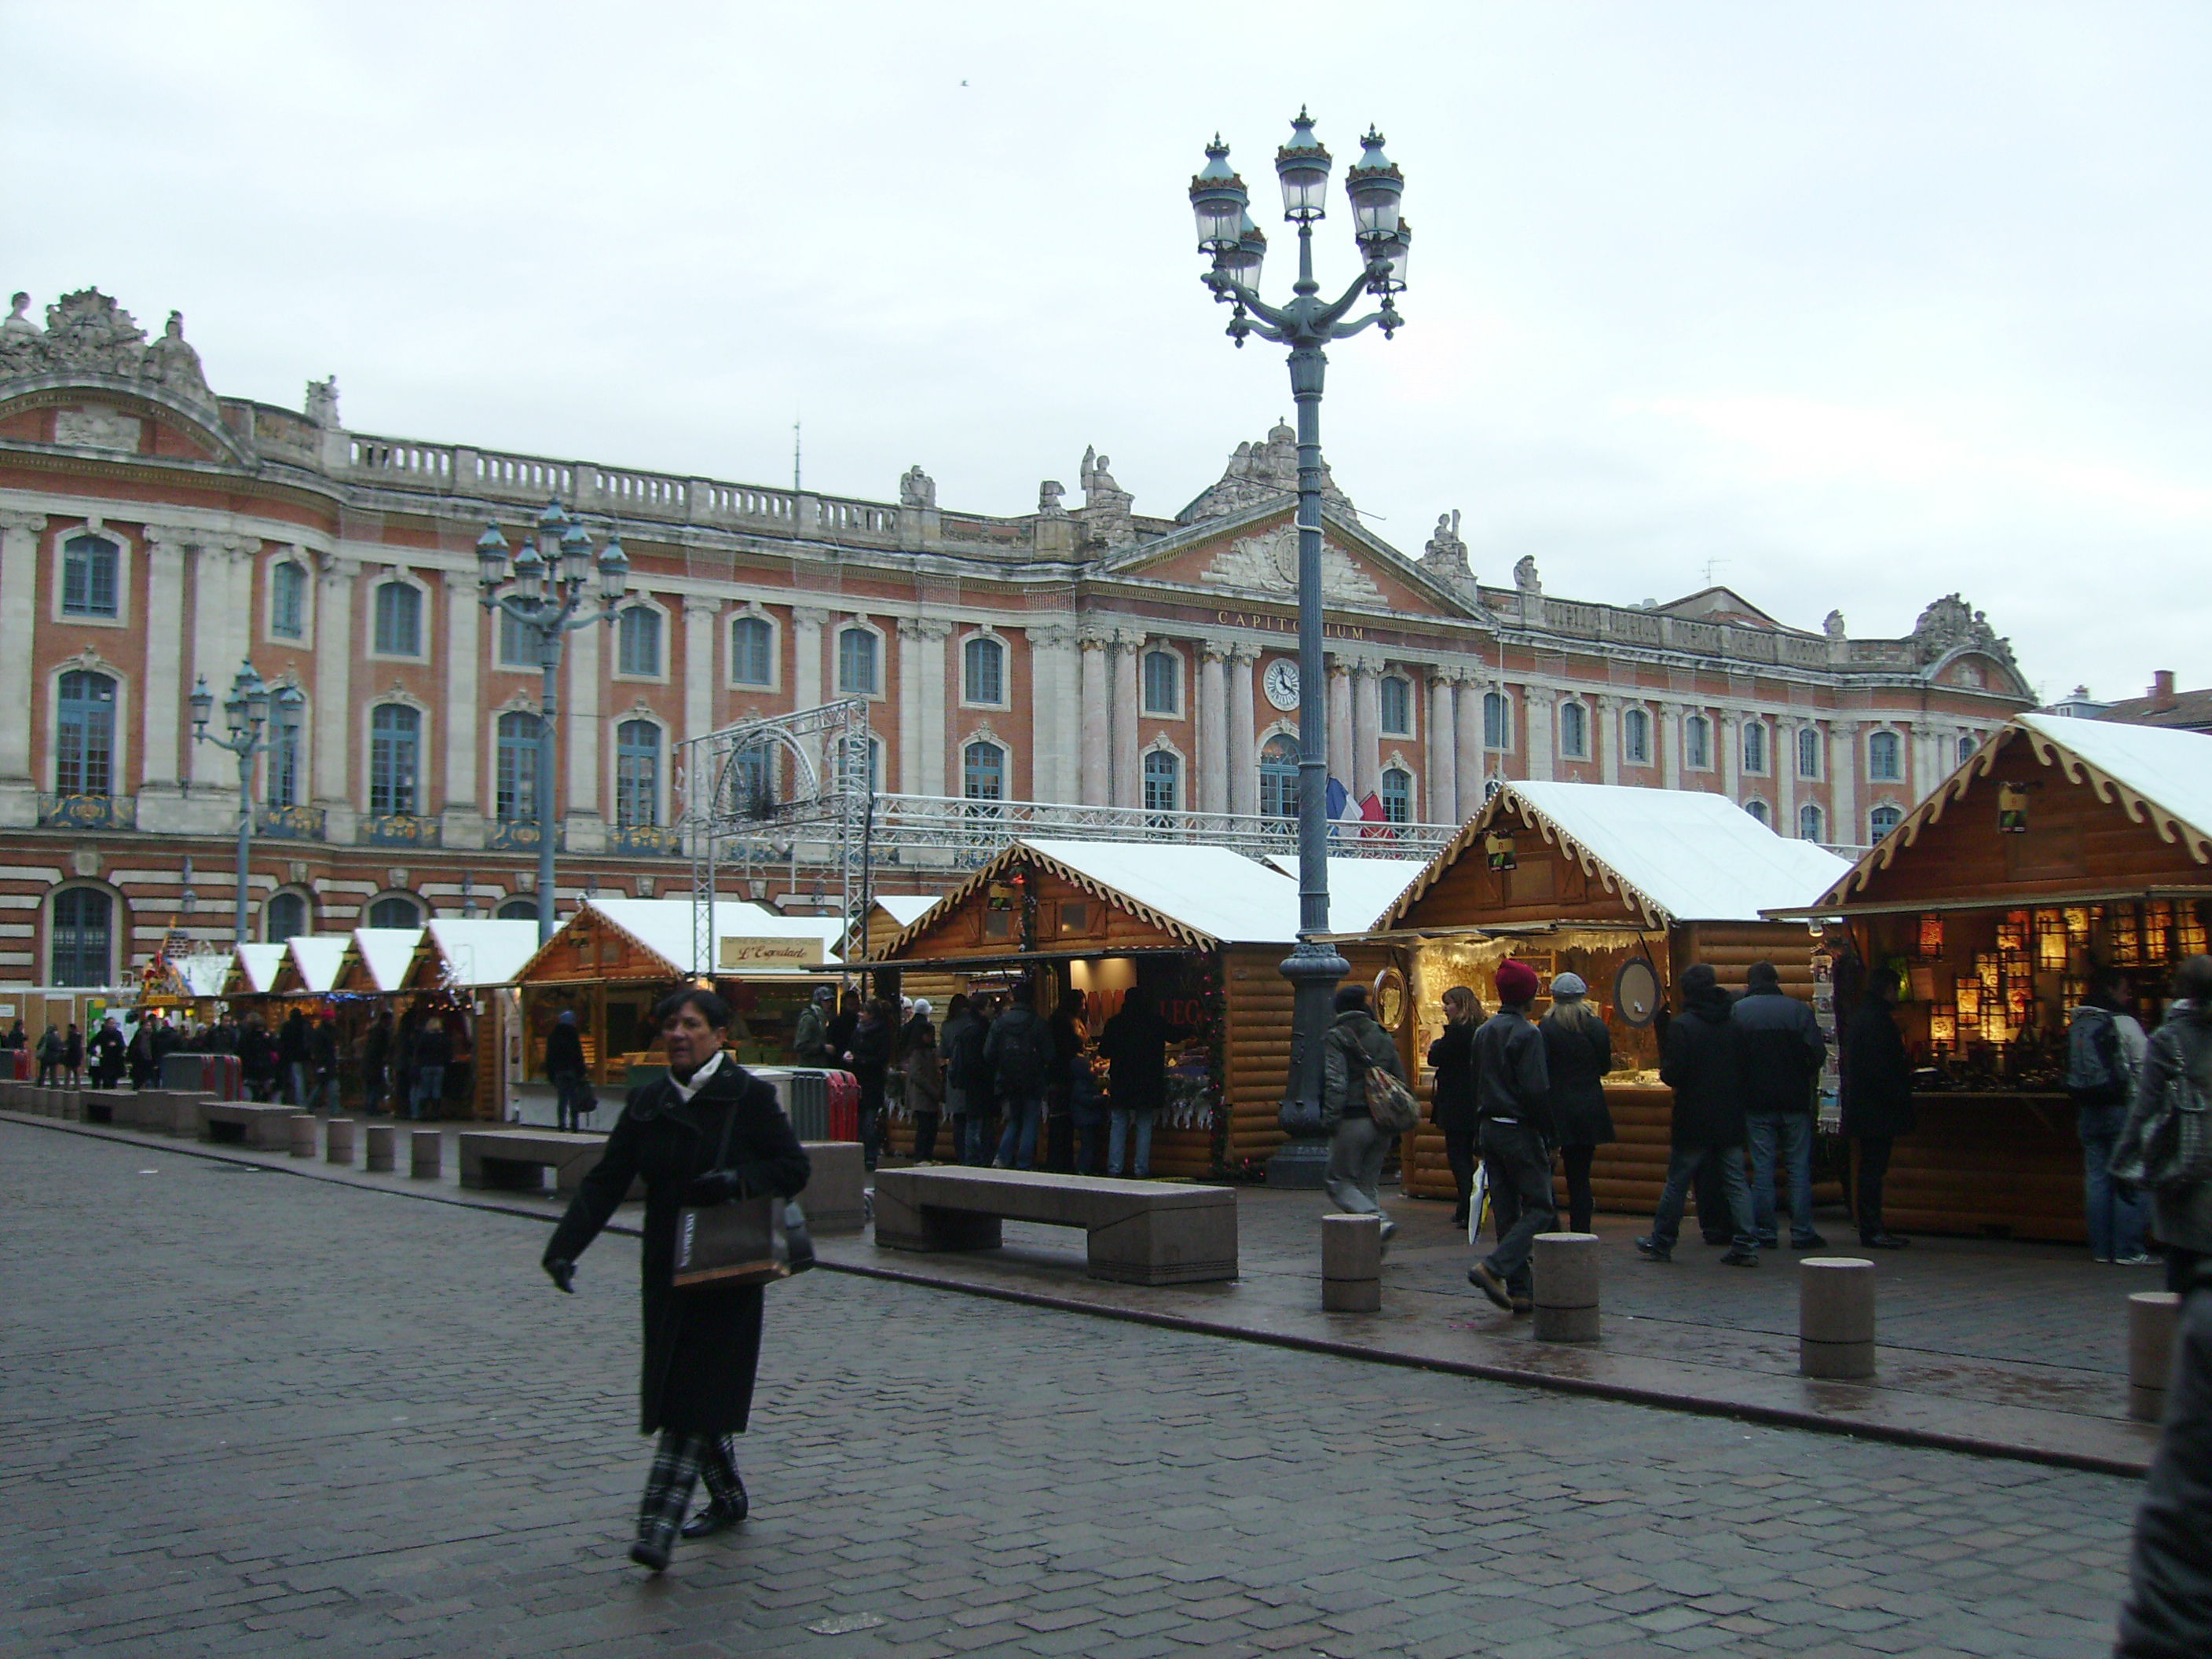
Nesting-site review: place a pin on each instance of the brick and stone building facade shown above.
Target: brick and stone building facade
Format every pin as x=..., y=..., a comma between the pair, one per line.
x=153, y=533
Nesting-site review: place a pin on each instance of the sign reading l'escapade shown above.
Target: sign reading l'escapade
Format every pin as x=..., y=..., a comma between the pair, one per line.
x=739, y=951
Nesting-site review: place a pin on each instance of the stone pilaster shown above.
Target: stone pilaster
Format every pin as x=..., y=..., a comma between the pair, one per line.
x=580, y=720
x=20, y=534
x=1605, y=737
x=1846, y=825
x=1211, y=710
x=910, y=712
x=162, y=804
x=336, y=775
x=1097, y=724
x=1364, y=776
x=1666, y=731
x=703, y=670
x=1055, y=714
x=1440, y=795
x=1128, y=786
x=1340, y=719
x=807, y=623
x=461, y=722
x=1471, y=764
x=928, y=643
x=1728, y=742
x=1539, y=705
x=1244, y=729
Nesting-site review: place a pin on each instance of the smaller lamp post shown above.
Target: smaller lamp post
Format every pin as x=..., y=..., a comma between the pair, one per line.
x=545, y=597
x=248, y=712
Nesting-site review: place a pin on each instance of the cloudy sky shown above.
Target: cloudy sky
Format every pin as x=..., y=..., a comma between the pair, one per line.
x=1850, y=304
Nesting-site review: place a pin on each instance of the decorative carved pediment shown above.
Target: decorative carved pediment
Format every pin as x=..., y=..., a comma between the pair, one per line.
x=1268, y=563
x=87, y=332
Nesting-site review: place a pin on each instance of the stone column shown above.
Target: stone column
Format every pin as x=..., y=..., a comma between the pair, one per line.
x=1666, y=731
x=1782, y=763
x=1097, y=725
x=212, y=771
x=461, y=724
x=20, y=533
x=703, y=672
x=910, y=707
x=1211, y=708
x=1244, y=731
x=1055, y=714
x=807, y=623
x=1538, y=702
x=1128, y=709
x=1845, y=827
x=159, y=757
x=929, y=644
x=580, y=720
x=336, y=718
x=1440, y=802
x=1728, y=739
x=1365, y=775
x=1340, y=719
x=1472, y=760
x=1605, y=737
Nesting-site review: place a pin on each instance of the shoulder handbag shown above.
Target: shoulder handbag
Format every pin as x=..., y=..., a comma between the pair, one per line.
x=741, y=1241
x=1389, y=1101
x=2173, y=1145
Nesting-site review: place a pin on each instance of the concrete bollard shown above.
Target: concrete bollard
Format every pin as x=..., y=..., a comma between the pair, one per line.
x=2153, y=1316
x=1352, y=1263
x=426, y=1154
x=304, y=1126
x=1835, y=1316
x=1565, y=1266
x=340, y=1150
x=383, y=1148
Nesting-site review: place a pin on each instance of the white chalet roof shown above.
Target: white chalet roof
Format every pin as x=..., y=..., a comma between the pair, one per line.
x=317, y=957
x=907, y=909
x=664, y=928
x=1685, y=856
x=476, y=953
x=386, y=952
x=202, y=975
x=2167, y=770
x=1360, y=890
x=1230, y=899
x=259, y=963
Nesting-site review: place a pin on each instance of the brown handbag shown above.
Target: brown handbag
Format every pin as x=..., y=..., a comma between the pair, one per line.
x=741, y=1241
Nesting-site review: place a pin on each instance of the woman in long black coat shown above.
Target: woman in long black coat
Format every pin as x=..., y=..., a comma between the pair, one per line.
x=1877, y=1102
x=702, y=1342
x=1577, y=1053
x=1451, y=1100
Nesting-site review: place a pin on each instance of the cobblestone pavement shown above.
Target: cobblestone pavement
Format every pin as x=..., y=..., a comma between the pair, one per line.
x=248, y=1413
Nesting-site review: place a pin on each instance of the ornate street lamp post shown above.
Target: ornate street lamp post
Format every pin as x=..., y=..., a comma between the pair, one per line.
x=247, y=712
x=546, y=600
x=1306, y=324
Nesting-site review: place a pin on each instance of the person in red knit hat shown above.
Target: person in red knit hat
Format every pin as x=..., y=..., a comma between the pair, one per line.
x=1512, y=1089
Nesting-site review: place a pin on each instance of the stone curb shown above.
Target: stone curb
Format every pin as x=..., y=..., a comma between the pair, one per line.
x=1627, y=1393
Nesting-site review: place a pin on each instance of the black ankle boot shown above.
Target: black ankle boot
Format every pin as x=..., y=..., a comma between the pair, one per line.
x=719, y=1515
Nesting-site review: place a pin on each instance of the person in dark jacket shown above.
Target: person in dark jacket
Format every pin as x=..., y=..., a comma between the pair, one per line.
x=1451, y=1096
x=810, y=1038
x=1018, y=1051
x=1877, y=1102
x=841, y=1027
x=106, y=1054
x=868, y=1057
x=2181, y=1211
x=1578, y=1053
x=2168, y=1611
x=953, y=1057
x=1134, y=1043
x=15, y=1041
x=50, y=1056
x=1070, y=1037
x=434, y=1052
x=1783, y=1053
x=1512, y=1099
x=257, y=1057
x=1703, y=1064
x=292, y=1054
x=375, y=1058
x=323, y=1061
x=1354, y=1045
x=565, y=1071
x=705, y=1133
x=922, y=1062
x=73, y=1054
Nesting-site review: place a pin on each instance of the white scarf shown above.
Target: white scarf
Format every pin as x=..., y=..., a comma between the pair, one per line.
x=685, y=1089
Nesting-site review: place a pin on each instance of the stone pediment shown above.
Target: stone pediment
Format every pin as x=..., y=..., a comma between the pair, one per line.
x=79, y=409
x=1267, y=563
x=1258, y=560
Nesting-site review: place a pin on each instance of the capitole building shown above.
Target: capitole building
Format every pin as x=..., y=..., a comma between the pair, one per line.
x=1082, y=655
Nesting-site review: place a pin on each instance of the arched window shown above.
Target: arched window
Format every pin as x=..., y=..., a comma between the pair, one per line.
x=288, y=600
x=1397, y=796
x=395, y=910
x=1885, y=758
x=284, y=741
x=1698, y=741
x=514, y=795
x=395, y=756
x=81, y=938
x=1812, y=824
x=84, y=734
x=1397, y=701
x=398, y=619
x=637, y=776
x=1809, y=752
x=1497, y=720
x=518, y=643
x=1163, y=683
x=1754, y=747
x=284, y=916
x=752, y=645
x=1883, y=819
x=1163, y=782
x=1967, y=744
x=1758, y=810
x=1574, y=730
x=637, y=641
x=983, y=669
x=983, y=772
x=517, y=909
x=856, y=663
x=1278, y=777
x=1636, y=738
x=90, y=588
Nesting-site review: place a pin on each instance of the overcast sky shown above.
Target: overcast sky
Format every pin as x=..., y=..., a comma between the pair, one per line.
x=1853, y=304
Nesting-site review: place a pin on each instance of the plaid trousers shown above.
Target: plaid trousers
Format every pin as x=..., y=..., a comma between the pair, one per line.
x=679, y=1462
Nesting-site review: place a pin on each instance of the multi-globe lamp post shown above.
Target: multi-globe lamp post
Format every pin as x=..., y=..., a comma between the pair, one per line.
x=545, y=596
x=1306, y=323
x=248, y=712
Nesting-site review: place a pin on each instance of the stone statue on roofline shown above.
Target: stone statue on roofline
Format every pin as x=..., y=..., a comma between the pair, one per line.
x=1445, y=553
x=322, y=405
x=1951, y=624
x=1525, y=578
x=917, y=488
x=175, y=364
x=1833, y=625
x=1049, y=503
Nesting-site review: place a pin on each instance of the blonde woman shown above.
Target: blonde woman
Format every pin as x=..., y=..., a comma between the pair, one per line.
x=1578, y=1053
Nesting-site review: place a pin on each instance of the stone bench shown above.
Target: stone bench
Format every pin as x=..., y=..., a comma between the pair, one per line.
x=247, y=1123
x=164, y=1111
x=510, y=1159
x=117, y=1106
x=835, y=1199
x=1139, y=1232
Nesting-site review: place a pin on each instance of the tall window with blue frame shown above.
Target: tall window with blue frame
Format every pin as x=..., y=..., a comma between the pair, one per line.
x=1278, y=777
x=84, y=733
x=91, y=584
x=514, y=773
x=395, y=756
x=637, y=776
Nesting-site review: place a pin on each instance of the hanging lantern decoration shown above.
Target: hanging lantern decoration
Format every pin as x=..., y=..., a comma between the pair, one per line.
x=2011, y=809
x=1499, y=849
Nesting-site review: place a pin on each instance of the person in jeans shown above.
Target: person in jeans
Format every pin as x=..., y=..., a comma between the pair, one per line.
x=1578, y=1052
x=1703, y=1064
x=1783, y=1053
x=323, y=1067
x=1877, y=1102
x=1019, y=1052
x=868, y=1057
x=565, y=1070
x=1134, y=1043
x=1512, y=1106
x=375, y=1057
x=1354, y=1045
x=923, y=1064
x=1451, y=1097
x=2104, y=1049
x=434, y=1052
x=2181, y=1211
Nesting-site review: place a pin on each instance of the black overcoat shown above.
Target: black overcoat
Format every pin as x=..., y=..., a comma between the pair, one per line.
x=702, y=1343
x=1877, y=1073
x=1703, y=1064
x=1578, y=1057
x=1452, y=1103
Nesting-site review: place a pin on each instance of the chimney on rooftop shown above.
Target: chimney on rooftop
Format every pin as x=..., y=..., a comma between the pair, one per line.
x=2161, y=689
